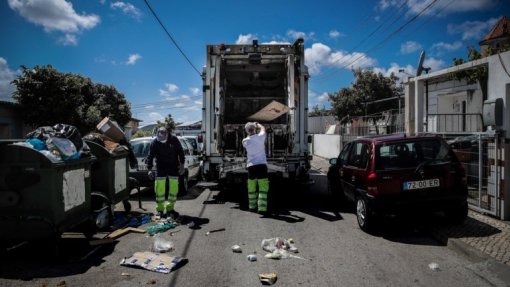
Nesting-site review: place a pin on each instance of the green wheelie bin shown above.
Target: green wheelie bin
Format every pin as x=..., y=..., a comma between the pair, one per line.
x=41, y=198
x=110, y=182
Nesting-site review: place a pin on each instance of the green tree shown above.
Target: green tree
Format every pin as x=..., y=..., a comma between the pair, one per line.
x=169, y=123
x=479, y=74
x=362, y=98
x=141, y=133
x=317, y=112
x=48, y=97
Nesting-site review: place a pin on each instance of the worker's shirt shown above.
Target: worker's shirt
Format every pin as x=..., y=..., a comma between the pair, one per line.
x=255, y=149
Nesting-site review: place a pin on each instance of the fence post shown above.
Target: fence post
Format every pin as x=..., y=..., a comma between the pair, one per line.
x=480, y=167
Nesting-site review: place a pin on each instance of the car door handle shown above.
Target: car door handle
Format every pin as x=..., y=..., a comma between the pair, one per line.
x=353, y=178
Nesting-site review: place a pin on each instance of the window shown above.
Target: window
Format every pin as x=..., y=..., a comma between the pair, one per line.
x=359, y=155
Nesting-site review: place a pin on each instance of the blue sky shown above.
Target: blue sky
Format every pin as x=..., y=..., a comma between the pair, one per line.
x=120, y=42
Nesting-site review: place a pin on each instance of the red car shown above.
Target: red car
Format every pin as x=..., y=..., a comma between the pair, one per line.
x=392, y=174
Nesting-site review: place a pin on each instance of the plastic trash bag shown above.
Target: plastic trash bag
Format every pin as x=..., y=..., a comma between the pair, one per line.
x=279, y=248
x=161, y=244
x=64, y=147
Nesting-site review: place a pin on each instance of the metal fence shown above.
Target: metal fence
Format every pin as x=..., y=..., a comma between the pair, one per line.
x=480, y=155
x=454, y=123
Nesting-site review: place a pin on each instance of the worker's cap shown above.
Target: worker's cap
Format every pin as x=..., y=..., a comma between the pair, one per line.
x=250, y=127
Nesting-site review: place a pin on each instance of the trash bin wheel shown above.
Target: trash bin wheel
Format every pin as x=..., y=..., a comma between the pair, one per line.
x=102, y=210
x=127, y=205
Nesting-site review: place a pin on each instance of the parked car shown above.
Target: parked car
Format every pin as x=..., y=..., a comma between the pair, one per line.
x=141, y=147
x=396, y=173
x=197, y=146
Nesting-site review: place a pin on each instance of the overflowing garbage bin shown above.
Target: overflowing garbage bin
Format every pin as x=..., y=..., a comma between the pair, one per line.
x=110, y=180
x=39, y=196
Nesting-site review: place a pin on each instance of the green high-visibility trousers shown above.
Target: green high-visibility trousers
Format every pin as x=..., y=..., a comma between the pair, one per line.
x=263, y=190
x=162, y=203
x=252, y=194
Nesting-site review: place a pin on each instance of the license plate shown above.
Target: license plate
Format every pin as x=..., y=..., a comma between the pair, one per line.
x=142, y=167
x=421, y=184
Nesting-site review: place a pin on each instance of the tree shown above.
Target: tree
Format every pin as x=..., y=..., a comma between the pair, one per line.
x=169, y=123
x=317, y=112
x=48, y=97
x=361, y=99
x=478, y=75
x=141, y=133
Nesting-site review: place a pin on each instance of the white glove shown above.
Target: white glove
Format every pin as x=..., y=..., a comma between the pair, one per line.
x=151, y=175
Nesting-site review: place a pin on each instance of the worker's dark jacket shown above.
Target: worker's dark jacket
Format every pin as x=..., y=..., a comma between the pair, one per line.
x=168, y=155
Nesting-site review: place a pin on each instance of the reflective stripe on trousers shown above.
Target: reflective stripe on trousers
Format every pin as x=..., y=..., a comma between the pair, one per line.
x=258, y=201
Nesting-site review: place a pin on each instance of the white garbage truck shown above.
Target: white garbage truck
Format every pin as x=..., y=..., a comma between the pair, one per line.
x=255, y=83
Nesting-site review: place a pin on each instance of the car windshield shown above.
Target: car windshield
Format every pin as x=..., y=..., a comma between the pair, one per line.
x=411, y=154
x=140, y=148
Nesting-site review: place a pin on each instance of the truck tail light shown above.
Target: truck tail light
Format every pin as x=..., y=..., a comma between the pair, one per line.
x=371, y=184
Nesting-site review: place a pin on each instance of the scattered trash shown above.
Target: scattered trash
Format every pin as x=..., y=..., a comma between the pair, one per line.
x=174, y=232
x=268, y=278
x=434, y=266
x=123, y=219
x=161, y=244
x=156, y=262
x=279, y=248
x=237, y=249
x=62, y=283
x=160, y=227
x=252, y=257
x=215, y=230
x=125, y=274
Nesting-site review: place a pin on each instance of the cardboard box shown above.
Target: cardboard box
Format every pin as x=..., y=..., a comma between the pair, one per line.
x=111, y=129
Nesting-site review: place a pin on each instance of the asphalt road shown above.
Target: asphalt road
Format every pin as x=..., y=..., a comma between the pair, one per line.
x=335, y=251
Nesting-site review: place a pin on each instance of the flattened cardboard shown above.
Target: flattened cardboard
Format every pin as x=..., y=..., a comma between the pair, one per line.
x=270, y=112
x=151, y=261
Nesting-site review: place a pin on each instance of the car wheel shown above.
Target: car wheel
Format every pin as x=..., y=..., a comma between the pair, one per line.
x=363, y=214
x=457, y=215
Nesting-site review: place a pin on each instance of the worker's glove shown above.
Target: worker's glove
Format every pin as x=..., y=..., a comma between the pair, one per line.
x=181, y=169
x=151, y=174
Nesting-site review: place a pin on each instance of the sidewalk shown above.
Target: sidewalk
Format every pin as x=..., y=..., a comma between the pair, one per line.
x=478, y=236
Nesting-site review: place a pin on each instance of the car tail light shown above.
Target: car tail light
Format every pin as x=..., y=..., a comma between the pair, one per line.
x=372, y=183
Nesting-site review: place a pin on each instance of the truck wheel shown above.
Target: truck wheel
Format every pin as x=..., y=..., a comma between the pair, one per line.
x=363, y=215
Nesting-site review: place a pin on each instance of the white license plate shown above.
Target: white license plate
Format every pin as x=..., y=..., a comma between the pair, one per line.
x=421, y=184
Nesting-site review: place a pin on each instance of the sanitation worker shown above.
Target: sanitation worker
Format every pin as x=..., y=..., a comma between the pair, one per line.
x=169, y=164
x=257, y=167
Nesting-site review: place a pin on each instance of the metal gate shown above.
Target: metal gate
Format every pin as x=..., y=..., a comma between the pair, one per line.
x=480, y=155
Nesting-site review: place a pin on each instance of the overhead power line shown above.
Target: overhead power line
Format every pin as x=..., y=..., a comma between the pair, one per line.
x=398, y=30
x=172, y=38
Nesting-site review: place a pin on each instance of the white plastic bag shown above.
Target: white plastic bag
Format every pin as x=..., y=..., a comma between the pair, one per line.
x=161, y=244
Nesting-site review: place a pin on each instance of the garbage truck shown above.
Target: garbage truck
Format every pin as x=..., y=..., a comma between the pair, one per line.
x=264, y=83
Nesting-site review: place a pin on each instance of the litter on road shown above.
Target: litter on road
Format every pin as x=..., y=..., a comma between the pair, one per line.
x=213, y=231
x=156, y=262
x=237, y=249
x=279, y=248
x=161, y=244
x=434, y=266
x=160, y=227
x=268, y=278
x=252, y=257
x=120, y=232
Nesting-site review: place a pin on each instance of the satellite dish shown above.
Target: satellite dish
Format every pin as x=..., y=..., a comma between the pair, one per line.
x=419, y=69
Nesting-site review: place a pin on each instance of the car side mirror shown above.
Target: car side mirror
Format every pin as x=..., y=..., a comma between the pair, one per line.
x=332, y=161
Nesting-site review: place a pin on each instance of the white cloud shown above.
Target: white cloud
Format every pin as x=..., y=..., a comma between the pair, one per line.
x=198, y=103
x=446, y=47
x=155, y=116
x=55, y=15
x=68, y=40
x=127, y=8
x=320, y=55
x=434, y=64
x=195, y=91
x=442, y=6
x=333, y=34
x=169, y=89
x=323, y=97
x=150, y=107
x=245, y=39
x=410, y=47
x=396, y=70
x=6, y=77
x=179, y=105
x=133, y=58
x=297, y=34
x=472, y=29
x=276, y=42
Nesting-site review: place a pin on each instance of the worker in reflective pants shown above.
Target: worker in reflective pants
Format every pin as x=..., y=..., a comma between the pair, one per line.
x=256, y=163
x=169, y=164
